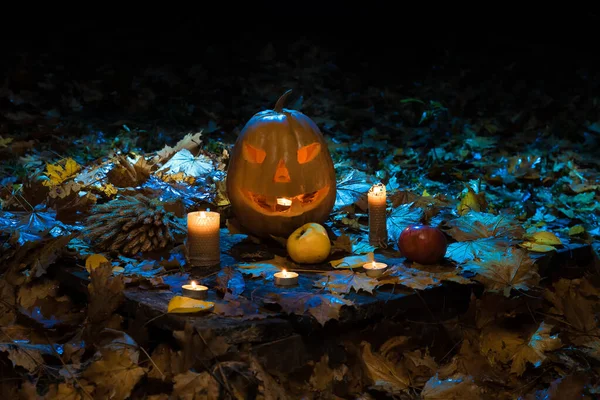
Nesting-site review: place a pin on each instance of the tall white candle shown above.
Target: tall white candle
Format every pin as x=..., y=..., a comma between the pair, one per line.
x=377, y=215
x=203, y=238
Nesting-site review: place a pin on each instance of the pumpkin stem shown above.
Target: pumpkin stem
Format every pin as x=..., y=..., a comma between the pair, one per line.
x=281, y=102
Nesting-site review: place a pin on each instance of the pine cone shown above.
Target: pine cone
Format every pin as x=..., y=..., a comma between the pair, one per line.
x=132, y=224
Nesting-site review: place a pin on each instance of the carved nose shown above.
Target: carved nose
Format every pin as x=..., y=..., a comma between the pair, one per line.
x=282, y=174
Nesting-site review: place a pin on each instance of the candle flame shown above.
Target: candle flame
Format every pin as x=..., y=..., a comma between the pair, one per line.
x=193, y=284
x=373, y=264
x=284, y=273
x=283, y=201
x=202, y=214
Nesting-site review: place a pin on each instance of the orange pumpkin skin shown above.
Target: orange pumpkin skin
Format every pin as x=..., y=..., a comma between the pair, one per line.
x=280, y=174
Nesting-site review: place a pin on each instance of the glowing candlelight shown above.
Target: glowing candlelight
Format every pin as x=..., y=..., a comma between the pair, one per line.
x=203, y=238
x=284, y=201
x=194, y=291
x=374, y=269
x=285, y=278
x=377, y=198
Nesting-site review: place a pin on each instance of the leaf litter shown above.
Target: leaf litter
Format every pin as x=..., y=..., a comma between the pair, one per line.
x=500, y=202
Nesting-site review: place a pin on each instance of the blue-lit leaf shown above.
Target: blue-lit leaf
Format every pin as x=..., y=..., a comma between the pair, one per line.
x=184, y=161
x=533, y=351
x=351, y=187
x=402, y=217
x=458, y=386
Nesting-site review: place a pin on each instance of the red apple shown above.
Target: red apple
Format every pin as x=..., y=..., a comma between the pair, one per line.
x=423, y=244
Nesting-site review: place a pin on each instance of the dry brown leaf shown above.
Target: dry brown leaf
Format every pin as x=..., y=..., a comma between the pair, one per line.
x=67, y=391
x=321, y=306
x=166, y=363
x=191, y=385
x=105, y=293
x=29, y=294
x=458, y=387
x=322, y=376
x=575, y=302
x=421, y=278
x=384, y=375
x=7, y=305
x=272, y=390
x=499, y=345
x=114, y=375
x=28, y=358
x=191, y=141
x=533, y=351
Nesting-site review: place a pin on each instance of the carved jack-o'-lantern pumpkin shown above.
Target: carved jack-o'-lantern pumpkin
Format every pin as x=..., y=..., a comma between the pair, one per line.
x=280, y=173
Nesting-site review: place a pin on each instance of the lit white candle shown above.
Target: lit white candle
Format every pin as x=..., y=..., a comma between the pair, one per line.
x=377, y=215
x=203, y=238
x=283, y=204
x=285, y=278
x=194, y=291
x=374, y=269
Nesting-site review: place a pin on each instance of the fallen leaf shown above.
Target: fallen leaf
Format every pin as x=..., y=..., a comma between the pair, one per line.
x=384, y=375
x=322, y=376
x=537, y=248
x=191, y=385
x=230, y=280
x=457, y=387
x=180, y=304
x=351, y=187
x=544, y=238
x=322, y=307
x=28, y=358
x=472, y=201
x=420, y=279
x=61, y=171
x=342, y=282
x=184, y=161
x=30, y=294
x=191, y=142
x=533, y=351
x=402, y=217
x=105, y=293
x=67, y=391
x=114, y=375
x=504, y=271
x=351, y=262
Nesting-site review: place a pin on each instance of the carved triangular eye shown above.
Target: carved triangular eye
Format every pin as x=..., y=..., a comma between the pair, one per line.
x=253, y=154
x=308, y=153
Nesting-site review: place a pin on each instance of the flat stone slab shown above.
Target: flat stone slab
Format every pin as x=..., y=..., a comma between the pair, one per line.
x=443, y=301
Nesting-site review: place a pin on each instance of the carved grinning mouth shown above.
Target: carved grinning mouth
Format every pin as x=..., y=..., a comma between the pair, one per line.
x=285, y=205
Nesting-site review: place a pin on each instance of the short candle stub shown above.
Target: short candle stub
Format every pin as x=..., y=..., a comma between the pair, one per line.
x=285, y=278
x=195, y=291
x=374, y=269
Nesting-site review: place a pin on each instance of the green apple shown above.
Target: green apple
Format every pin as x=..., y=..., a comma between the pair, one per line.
x=309, y=244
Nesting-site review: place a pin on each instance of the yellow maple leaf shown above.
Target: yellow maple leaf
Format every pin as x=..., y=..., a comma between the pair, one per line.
x=545, y=237
x=109, y=189
x=58, y=173
x=180, y=304
x=4, y=142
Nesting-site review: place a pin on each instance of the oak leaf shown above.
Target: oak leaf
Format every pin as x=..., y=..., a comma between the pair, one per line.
x=504, y=271
x=105, y=293
x=191, y=142
x=30, y=294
